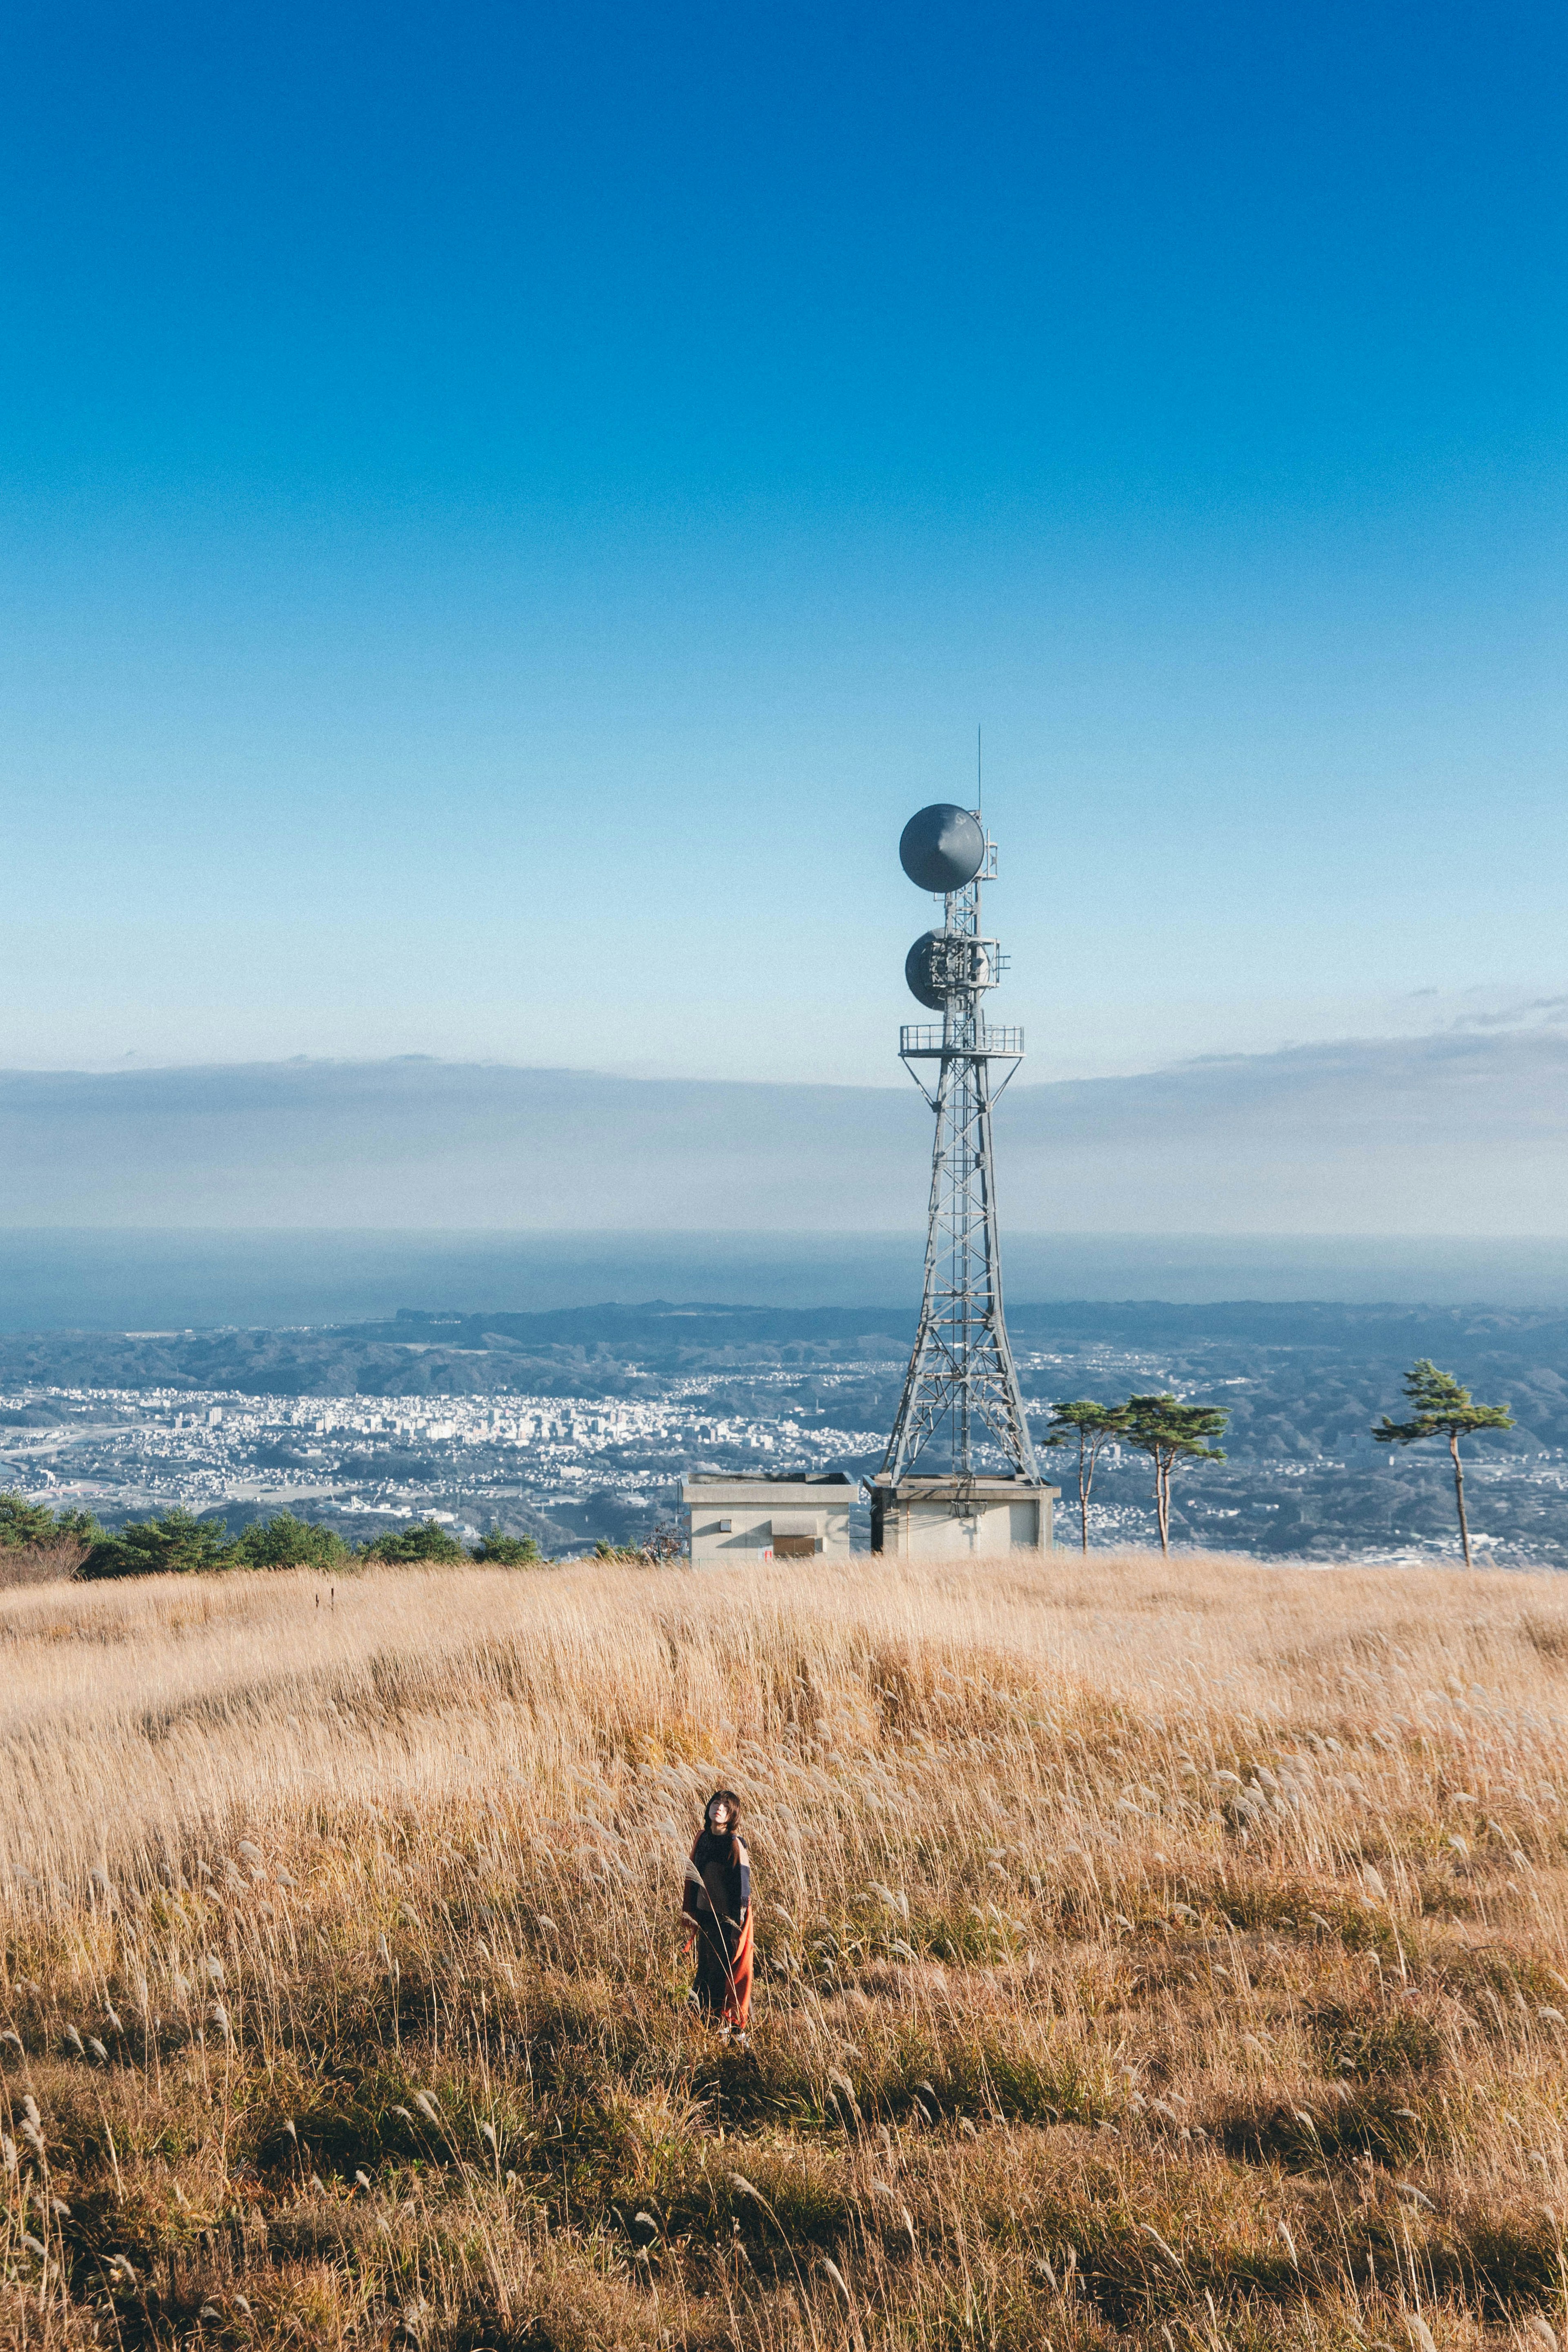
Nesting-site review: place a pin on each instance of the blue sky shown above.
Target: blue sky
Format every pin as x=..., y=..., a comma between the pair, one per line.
x=504, y=510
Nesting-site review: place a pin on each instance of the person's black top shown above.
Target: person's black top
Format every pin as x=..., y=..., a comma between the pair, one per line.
x=726, y=1875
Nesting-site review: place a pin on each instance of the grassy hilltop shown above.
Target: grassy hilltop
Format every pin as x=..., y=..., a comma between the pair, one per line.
x=1157, y=1956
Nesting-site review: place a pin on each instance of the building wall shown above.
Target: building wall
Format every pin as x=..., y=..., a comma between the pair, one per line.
x=935, y=1534
x=925, y=1528
x=803, y=1517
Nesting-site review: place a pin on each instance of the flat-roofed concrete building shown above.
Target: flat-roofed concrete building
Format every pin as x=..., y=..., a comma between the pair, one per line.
x=734, y=1521
x=946, y=1519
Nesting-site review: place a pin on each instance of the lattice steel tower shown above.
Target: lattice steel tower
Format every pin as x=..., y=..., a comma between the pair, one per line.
x=961, y=1400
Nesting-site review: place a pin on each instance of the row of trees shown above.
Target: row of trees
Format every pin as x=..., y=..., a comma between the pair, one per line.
x=1170, y=1432
x=1167, y=1431
x=180, y=1544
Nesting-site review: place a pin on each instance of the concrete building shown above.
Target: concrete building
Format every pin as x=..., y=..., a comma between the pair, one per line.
x=736, y=1521
x=947, y=1518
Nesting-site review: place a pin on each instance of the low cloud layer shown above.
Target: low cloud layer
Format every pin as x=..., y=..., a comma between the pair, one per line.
x=1458, y=1134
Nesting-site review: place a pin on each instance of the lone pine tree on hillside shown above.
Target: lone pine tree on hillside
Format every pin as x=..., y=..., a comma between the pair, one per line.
x=1169, y=1432
x=1442, y=1409
x=1092, y=1426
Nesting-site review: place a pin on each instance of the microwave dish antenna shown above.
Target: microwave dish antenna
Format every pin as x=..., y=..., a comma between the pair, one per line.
x=943, y=847
x=922, y=970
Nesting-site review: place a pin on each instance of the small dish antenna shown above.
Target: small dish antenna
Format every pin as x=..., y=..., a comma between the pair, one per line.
x=923, y=971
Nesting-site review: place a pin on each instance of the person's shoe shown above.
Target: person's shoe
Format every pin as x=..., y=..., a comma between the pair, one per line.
x=724, y=2033
x=742, y=2041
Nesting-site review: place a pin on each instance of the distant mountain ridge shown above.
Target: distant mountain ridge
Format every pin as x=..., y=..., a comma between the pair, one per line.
x=572, y=1350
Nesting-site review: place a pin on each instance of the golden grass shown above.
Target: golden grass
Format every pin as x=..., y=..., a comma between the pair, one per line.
x=1152, y=1954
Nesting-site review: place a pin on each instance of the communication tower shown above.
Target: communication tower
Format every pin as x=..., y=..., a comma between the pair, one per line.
x=960, y=1472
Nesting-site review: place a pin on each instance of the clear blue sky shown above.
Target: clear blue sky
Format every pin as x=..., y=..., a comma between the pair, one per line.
x=506, y=510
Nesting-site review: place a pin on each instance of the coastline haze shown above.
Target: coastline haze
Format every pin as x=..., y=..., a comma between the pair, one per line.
x=98, y=1279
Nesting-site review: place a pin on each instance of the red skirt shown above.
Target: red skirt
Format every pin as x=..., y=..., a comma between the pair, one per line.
x=724, y=1972
x=736, y=2009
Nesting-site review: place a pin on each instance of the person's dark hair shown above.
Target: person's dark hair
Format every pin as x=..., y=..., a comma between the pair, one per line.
x=723, y=1797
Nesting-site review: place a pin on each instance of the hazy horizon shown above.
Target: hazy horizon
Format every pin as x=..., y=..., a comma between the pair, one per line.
x=120, y=1279
x=1462, y=1133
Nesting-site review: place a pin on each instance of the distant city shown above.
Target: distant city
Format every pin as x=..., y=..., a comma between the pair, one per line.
x=576, y=1426
x=567, y=1468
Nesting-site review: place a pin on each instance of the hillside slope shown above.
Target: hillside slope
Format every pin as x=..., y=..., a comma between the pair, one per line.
x=1164, y=1956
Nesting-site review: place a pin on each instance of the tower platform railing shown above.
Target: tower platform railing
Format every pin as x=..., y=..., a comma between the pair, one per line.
x=922, y=1041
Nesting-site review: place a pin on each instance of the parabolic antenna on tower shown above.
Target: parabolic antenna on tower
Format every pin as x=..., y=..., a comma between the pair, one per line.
x=920, y=970
x=942, y=847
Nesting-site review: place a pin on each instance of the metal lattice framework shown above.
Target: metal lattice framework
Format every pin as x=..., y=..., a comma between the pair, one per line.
x=962, y=1385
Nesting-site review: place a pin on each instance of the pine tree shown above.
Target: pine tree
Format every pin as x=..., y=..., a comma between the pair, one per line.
x=1170, y=1432
x=1092, y=1426
x=175, y=1545
x=1442, y=1409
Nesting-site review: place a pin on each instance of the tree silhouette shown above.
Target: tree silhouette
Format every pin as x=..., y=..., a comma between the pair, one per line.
x=1442, y=1409
x=1170, y=1432
x=286, y=1541
x=503, y=1550
x=23, y=1523
x=421, y=1539
x=1092, y=1426
x=176, y=1545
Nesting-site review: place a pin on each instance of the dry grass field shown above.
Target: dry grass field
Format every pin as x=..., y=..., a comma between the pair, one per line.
x=1151, y=1954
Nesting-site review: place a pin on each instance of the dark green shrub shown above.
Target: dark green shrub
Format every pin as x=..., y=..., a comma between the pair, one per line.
x=22, y=1522
x=507, y=1551
x=285, y=1541
x=422, y=1540
x=175, y=1545
x=25, y=1524
x=81, y=1526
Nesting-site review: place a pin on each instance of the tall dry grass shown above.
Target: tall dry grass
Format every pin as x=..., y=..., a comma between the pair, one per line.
x=1158, y=1954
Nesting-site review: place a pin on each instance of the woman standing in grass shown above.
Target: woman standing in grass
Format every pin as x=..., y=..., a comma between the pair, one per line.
x=716, y=1910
